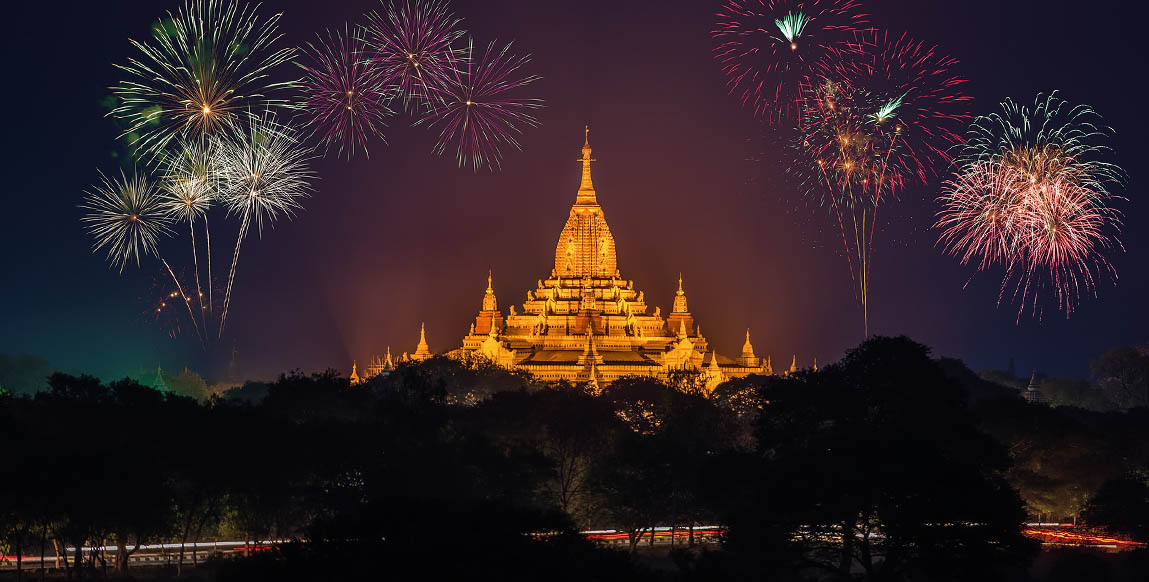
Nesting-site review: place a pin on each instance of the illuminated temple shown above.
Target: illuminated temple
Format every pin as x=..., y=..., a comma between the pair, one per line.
x=585, y=324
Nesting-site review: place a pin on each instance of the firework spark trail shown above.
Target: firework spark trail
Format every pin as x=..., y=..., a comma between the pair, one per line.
x=475, y=113
x=203, y=67
x=189, y=183
x=345, y=97
x=263, y=173
x=1033, y=193
x=876, y=112
x=184, y=297
x=126, y=218
x=838, y=136
x=768, y=48
x=231, y=272
x=210, y=280
x=409, y=44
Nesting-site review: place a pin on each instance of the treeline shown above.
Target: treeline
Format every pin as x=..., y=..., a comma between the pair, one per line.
x=1118, y=380
x=888, y=464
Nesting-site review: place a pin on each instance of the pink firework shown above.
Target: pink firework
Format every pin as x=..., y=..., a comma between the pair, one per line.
x=409, y=44
x=476, y=114
x=919, y=106
x=1039, y=218
x=767, y=48
x=345, y=99
x=981, y=223
x=1033, y=193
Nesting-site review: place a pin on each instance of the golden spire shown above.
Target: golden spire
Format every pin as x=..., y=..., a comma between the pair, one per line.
x=679, y=305
x=747, y=348
x=586, y=195
x=489, y=301
x=354, y=372
x=794, y=364
x=422, y=351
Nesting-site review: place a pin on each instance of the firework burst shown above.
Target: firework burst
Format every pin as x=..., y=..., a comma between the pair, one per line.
x=768, y=48
x=264, y=174
x=189, y=185
x=203, y=67
x=918, y=106
x=345, y=99
x=126, y=218
x=980, y=221
x=409, y=44
x=846, y=154
x=876, y=112
x=189, y=180
x=1033, y=194
x=475, y=115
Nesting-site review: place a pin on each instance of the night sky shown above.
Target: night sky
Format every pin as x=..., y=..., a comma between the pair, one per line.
x=405, y=236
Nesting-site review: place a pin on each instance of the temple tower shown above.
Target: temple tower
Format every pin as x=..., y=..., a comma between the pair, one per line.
x=586, y=246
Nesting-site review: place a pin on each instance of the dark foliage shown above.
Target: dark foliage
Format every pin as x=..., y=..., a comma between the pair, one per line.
x=888, y=465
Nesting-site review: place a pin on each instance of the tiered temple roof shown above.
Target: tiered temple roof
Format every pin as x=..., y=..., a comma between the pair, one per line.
x=584, y=323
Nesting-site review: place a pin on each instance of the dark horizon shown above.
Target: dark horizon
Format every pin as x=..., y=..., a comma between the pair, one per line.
x=406, y=237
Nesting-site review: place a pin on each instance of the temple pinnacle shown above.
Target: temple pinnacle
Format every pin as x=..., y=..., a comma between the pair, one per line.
x=422, y=351
x=586, y=194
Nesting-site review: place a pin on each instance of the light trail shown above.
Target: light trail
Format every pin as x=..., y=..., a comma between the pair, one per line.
x=1053, y=536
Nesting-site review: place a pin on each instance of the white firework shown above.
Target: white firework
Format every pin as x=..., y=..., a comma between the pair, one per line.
x=264, y=174
x=126, y=218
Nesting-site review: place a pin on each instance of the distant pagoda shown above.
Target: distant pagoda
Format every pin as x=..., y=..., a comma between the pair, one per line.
x=586, y=324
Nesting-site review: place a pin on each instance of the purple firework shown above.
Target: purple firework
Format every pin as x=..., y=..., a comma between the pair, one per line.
x=474, y=111
x=409, y=43
x=345, y=99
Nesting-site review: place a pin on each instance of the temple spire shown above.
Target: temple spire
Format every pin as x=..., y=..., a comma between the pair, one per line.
x=422, y=351
x=747, y=348
x=679, y=305
x=489, y=301
x=586, y=194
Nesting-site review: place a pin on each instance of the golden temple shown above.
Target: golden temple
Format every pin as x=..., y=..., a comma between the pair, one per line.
x=585, y=324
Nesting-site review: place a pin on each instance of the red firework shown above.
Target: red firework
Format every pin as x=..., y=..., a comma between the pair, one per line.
x=920, y=106
x=345, y=100
x=768, y=48
x=875, y=112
